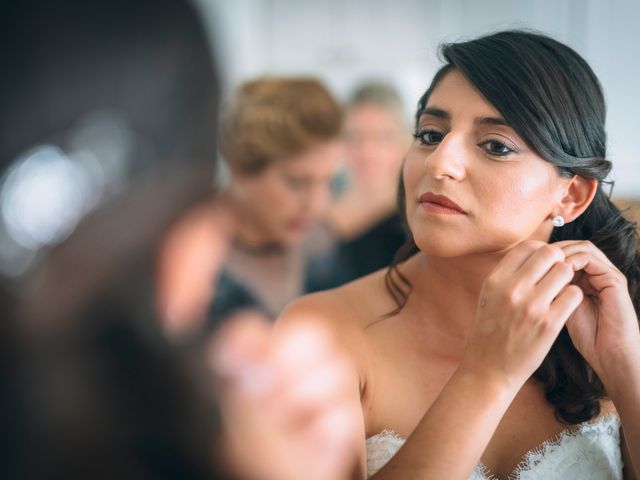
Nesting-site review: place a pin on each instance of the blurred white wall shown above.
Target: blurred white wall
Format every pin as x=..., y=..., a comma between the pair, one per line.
x=346, y=41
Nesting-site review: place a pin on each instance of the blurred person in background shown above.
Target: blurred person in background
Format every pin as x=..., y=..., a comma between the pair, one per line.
x=364, y=218
x=280, y=140
x=108, y=128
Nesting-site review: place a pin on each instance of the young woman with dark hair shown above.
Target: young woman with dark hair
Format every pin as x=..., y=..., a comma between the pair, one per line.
x=504, y=338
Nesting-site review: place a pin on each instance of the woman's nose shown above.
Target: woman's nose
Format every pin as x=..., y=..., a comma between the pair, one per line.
x=448, y=159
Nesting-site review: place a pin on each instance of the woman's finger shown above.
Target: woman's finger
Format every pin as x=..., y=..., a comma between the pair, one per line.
x=515, y=259
x=571, y=247
x=599, y=275
x=539, y=264
x=554, y=282
x=564, y=305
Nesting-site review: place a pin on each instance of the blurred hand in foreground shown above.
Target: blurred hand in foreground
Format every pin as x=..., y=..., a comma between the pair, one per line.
x=284, y=402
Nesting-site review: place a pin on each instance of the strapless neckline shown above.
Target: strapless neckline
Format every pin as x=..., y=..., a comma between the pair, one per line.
x=608, y=425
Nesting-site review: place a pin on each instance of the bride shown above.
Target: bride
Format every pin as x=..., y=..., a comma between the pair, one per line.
x=503, y=341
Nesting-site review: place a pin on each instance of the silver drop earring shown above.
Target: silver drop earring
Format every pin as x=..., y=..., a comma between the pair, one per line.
x=557, y=221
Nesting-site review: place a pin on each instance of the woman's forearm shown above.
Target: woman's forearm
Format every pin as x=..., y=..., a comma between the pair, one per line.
x=625, y=395
x=451, y=437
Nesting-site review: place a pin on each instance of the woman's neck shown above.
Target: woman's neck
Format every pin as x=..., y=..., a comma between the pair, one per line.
x=250, y=239
x=246, y=232
x=448, y=288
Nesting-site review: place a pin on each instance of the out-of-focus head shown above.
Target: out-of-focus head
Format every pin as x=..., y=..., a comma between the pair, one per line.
x=376, y=134
x=108, y=128
x=108, y=117
x=280, y=140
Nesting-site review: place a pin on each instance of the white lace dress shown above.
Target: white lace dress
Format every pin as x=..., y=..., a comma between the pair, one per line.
x=590, y=452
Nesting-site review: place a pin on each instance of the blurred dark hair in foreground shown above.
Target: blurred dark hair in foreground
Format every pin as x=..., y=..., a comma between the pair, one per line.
x=107, y=135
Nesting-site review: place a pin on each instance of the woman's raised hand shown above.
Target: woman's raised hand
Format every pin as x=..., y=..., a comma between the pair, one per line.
x=604, y=327
x=523, y=305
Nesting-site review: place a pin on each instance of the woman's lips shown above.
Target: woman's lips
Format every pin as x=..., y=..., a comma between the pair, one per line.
x=440, y=204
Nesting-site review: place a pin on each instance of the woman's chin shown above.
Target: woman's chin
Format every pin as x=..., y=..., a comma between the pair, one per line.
x=440, y=248
x=455, y=248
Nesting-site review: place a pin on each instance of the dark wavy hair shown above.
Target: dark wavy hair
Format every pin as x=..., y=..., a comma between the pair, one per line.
x=550, y=96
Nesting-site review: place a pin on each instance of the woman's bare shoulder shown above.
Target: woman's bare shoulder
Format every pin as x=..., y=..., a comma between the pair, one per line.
x=349, y=308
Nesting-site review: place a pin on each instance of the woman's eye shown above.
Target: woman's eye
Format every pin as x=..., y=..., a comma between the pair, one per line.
x=497, y=148
x=429, y=137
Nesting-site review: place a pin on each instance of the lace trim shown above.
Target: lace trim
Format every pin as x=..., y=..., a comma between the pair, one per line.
x=483, y=471
x=609, y=424
x=480, y=472
x=381, y=448
x=380, y=437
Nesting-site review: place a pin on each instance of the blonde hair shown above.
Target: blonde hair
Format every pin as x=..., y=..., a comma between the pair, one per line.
x=271, y=119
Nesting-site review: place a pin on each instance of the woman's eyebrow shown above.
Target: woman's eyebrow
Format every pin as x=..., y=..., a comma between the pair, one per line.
x=491, y=121
x=443, y=114
x=436, y=112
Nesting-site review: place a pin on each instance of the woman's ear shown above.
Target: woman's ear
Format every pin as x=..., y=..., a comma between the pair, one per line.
x=578, y=196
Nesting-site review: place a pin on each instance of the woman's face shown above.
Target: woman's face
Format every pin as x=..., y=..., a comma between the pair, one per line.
x=505, y=192
x=282, y=201
x=376, y=141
